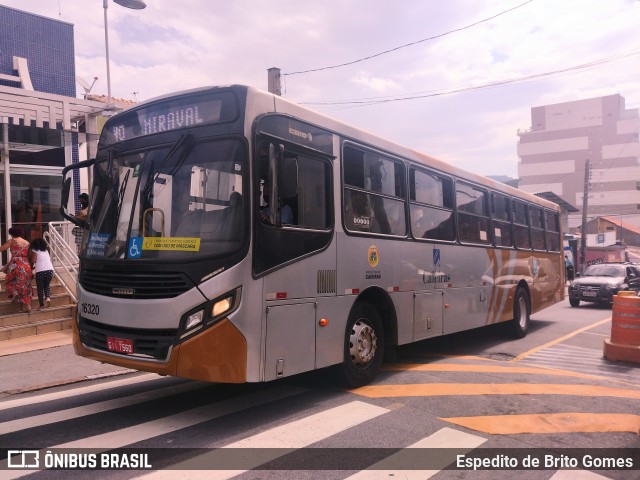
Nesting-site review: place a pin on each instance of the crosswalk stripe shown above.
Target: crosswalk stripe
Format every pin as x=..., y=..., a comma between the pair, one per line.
x=178, y=421
x=284, y=439
x=74, y=392
x=456, y=367
x=443, y=438
x=550, y=423
x=448, y=389
x=99, y=407
x=556, y=341
x=586, y=361
x=137, y=433
x=590, y=370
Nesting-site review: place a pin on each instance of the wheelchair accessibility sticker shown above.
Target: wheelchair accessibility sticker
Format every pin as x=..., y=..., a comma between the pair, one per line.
x=135, y=247
x=436, y=257
x=179, y=244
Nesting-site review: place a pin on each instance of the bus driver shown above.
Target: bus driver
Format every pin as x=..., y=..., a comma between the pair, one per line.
x=286, y=214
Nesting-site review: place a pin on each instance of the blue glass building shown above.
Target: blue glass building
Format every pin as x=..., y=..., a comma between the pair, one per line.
x=46, y=125
x=47, y=44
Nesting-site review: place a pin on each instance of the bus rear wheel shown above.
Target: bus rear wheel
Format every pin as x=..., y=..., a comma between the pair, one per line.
x=364, y=346
x=521, y=311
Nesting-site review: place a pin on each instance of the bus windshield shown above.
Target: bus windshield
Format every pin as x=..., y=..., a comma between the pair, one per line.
x=173, y=203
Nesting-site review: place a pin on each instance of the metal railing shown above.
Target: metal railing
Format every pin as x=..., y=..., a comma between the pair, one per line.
x=64, y=256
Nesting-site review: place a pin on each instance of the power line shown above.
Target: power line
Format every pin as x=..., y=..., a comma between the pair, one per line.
x=419, y=95
x=407, y=44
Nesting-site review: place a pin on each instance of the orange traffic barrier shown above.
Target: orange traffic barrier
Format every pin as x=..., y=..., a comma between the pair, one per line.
x=624, y=344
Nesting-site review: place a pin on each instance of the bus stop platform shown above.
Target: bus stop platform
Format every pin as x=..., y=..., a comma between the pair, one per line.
x=43, y=361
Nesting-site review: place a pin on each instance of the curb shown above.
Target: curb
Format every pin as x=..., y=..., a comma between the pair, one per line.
x=69, y=381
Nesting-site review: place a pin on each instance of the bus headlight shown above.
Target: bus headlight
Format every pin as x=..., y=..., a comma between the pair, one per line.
x=194, y=319
x=224, y=305
x=209, y=313
x=221, y=307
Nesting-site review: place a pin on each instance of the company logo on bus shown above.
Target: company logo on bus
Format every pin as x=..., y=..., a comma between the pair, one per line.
x=122, y=291
x=434, y=277
x=374, y=256
x=298, y=133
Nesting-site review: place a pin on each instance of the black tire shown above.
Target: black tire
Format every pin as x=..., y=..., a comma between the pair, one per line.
x=521, y=314
x=363, y=346
x=574, y=302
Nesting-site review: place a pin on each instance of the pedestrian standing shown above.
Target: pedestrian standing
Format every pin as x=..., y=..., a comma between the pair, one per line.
x=18, y=270
x=43, y=267
x=569, y=268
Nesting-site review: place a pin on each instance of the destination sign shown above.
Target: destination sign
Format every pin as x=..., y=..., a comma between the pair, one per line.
x=173, y=114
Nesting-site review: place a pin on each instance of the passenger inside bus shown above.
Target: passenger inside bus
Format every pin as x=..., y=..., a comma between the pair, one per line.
x=286, y=213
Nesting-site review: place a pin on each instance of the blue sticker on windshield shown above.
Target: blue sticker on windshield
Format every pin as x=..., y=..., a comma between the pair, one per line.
x=135, y=247
x=97, y=245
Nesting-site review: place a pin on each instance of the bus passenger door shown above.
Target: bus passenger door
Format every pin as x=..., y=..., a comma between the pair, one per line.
x=290, y=333
x=427, y=316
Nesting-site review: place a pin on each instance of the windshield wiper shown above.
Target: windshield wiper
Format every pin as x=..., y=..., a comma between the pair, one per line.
x=123, y=187
x=147, y=191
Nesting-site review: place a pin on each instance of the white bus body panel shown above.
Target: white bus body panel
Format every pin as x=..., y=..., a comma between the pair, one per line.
x=293, y=312
x=120, y=312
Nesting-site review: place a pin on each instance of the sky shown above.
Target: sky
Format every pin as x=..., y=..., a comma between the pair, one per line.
x=455, y=82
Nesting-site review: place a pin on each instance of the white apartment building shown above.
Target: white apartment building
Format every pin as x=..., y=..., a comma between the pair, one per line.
x=554, y=152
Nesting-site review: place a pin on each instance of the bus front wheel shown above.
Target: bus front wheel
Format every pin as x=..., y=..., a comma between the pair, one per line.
x=364, y=346
x=521, y=312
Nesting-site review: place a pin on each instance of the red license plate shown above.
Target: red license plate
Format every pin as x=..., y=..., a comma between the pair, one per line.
x=120, y=345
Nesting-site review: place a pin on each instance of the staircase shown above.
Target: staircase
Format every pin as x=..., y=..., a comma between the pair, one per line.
x=59, y=316
x=16, y=324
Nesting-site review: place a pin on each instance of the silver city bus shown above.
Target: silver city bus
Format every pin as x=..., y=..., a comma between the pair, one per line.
x=234, y=236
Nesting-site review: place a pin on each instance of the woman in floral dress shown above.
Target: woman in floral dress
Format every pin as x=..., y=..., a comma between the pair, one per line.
x=18, y=270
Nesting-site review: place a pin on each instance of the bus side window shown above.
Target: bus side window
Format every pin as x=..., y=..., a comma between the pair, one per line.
x=501, y=217
x=521, y=225
x=373, y=193
x=432, y=206
x=312, y=208
x=290, y=187
x=473, y=218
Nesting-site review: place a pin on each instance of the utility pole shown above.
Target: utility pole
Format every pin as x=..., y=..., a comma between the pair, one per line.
x=585, y=202
x=274, y=81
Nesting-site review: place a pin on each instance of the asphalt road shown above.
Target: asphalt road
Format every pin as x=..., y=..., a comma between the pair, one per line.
x=465, y=393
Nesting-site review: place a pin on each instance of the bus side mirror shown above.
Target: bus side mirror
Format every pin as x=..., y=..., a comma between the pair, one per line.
x=66, y=187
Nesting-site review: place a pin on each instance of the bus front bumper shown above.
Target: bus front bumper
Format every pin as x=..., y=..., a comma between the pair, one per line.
x=219, y=354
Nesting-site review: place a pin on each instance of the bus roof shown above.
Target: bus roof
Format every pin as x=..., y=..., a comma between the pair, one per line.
x=284, y=106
